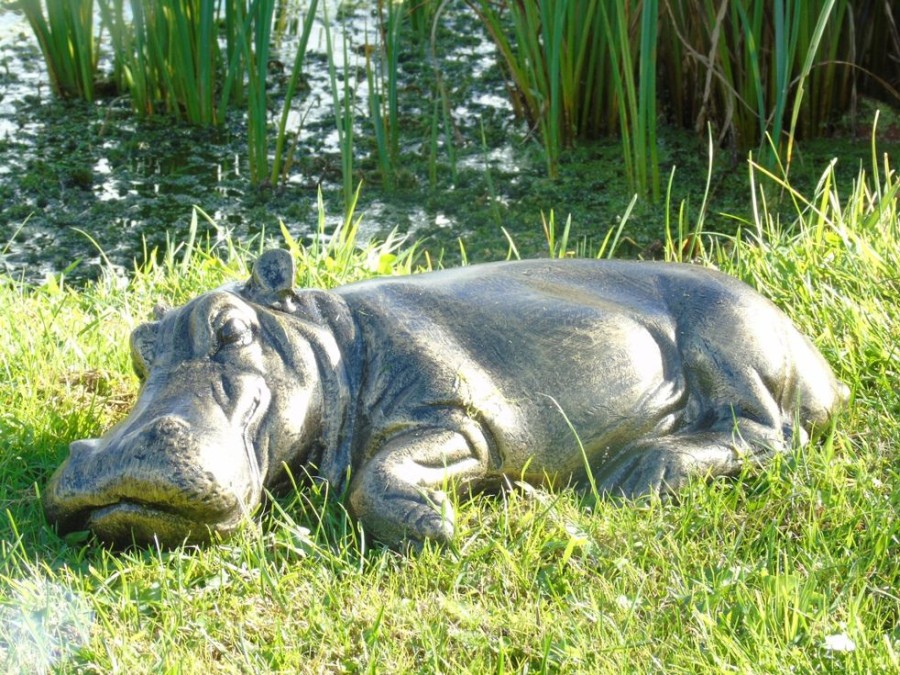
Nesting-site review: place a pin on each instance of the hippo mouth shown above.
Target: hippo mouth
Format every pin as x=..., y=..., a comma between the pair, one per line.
x=169, y=496
x=126, y=522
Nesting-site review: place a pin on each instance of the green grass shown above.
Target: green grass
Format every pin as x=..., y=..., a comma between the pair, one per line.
x=765, y=574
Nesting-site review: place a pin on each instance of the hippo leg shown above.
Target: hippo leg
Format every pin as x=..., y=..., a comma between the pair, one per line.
x=666, y=464
x=400, y=493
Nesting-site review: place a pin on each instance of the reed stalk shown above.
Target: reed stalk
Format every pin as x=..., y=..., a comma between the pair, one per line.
x=422, y=15
x=383, y=80
x=754, y=69
x=577, y=69
x=279, y=161
x=66, y=38
x=581, y=69
x=635, y=90
x=342, y=100
x=236, y=25
x=381, y=76
x=168, y=57
x=812, y=48
x=256, y=55
x=441, y=119
x=112, y=14
x=745, y=67
x=379, y=126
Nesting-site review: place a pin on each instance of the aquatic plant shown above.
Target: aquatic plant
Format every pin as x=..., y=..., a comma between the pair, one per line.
x=634, y=78
x=582, y=69
x=752, y=69
x=196, y=59
x=255, y=48
x=382, y=76
x=65, y=32
x=441, y=117
x=422, y=15
x=281, y=161
x=745, y=66
x=168, y=58
x=342, y=104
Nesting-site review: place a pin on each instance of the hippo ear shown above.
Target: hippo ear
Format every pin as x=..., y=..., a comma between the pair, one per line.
x=143, y=343
x=160, y=309
x=273, y=273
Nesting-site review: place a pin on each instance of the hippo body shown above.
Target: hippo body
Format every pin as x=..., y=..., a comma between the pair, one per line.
x=632, y=375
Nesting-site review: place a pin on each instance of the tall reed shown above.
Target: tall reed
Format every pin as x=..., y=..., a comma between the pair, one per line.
x=422, y=15
x=581, y=69
x=256, y=55
x=197, y=59
x=256, y=49
x=441, y=118
x=752, y=69
x=279, y=162
x=382, y=73
x=744, y=66
x=66, y=37
x=342, y=101
x=121, y=37
x=168, y=56
x=635, y=88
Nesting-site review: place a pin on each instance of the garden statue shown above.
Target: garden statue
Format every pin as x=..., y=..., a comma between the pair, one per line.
x=400, y=389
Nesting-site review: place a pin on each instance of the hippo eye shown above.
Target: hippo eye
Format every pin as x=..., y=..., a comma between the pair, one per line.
x=234, y=331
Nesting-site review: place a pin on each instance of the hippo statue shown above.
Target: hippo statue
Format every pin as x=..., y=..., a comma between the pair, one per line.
x=629, y=376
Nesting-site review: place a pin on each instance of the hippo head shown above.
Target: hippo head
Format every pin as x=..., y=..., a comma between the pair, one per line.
x=230, y=394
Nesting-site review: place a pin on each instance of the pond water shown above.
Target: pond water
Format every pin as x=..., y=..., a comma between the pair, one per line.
x=88, y=183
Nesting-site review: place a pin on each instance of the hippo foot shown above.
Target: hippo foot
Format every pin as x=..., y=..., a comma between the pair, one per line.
x=657, y=471
x=664, y=466
x=404, y=514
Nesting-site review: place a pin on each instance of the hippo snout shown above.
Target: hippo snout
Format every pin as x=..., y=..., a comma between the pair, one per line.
x=166, y=479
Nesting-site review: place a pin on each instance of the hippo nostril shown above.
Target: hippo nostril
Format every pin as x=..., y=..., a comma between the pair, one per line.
x=167, y=430
x=84, y=446
x=169, y=424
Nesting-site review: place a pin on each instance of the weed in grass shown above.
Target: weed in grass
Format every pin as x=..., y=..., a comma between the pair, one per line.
x=558, y=243
x=336, y=257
